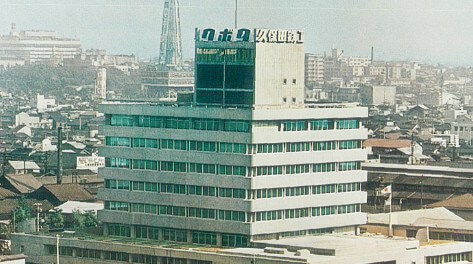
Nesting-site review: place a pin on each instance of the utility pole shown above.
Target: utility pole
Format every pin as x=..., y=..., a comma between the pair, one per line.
x=59, y=156
x=421, y=191
x=38, y=210
x=57, y=249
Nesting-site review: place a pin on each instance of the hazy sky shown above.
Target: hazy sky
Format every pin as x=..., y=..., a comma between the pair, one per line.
x=435, y=31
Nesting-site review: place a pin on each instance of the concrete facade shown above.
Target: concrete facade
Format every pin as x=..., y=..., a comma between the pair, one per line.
x=223, y=175
x=326, y=249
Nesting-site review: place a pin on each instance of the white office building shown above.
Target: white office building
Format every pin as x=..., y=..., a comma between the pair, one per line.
x=246, y=160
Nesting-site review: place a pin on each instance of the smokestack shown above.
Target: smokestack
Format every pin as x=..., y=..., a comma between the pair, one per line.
x=59, y=156
x=372, y=54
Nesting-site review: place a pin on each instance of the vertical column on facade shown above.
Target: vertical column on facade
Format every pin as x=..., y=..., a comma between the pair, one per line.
x=160, y=234
x=105, y=229
x=132, y=231
x=219, y=239
x=189, y=236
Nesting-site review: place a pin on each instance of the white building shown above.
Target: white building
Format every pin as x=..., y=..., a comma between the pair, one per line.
x=101, y=83
x=248, y=160
x=24, y=118
x=37, y=45
x=92, y=163
x=314, y=69
x=44, y=104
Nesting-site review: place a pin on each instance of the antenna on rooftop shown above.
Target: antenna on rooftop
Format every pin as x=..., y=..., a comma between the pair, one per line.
x=236, y=13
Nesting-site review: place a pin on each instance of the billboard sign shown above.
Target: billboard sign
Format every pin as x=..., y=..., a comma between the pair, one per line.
x=250, y=35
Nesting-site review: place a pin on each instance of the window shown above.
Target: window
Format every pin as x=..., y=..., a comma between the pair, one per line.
x=322, y=189
x=297, y=191
x=269, y=170
x=284, y=81
x=324, y=145
x=121, y=120
x=324, y=167
x=172, y=188
x=232, y=170
x=299, y=146
x=232, y=148
x=202, y=168
x=229, y=215
x=207, y=238
x=208, y=124
x=293, y=99
x=349, y=187
x=234, y=240
x=322, y=124
x=348, y=208
x=202, y=146
x=349, y=144
x=119, y=230
x=284, y=99
x=297, y=169
x=117, y=163
x=347, y=124
x=294, y=81
x=295, y=125
x=324, y=210
x=297, y=213
x=269, y=215
x=201, y=190
x=351, y=165
x=177, y=235
x=117, y=141
x=231, y=192
x=173, y=144
x=201, y=212
x=172, y=166
x=269, y=193
x=236, y=126
x=269, y=148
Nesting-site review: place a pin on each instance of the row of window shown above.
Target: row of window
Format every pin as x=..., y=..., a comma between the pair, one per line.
x=228, y=192
x=306, y=190
x=450, y=258
x=177, y=122
x=306, y=168
x=306, y=212
x=223, y=124
x=118, y=256
x=228, y=215
x=173, y=166
x=180, y=235
x=224, y=147
x=303, y=125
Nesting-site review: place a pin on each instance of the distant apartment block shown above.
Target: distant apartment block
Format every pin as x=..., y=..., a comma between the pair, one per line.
x=29, y=46
x=314, y=69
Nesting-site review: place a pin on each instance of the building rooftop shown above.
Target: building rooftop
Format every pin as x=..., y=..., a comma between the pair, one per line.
x=387, y=143
x=464, y=201
x=82, y=207
x=411, y=217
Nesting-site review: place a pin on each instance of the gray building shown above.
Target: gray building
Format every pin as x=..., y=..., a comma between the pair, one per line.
x=248, y=160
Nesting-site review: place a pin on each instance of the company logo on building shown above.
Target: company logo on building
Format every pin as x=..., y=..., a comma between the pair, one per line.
x=249, y=35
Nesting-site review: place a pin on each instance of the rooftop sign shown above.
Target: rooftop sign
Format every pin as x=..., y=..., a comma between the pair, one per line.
x=250, y=35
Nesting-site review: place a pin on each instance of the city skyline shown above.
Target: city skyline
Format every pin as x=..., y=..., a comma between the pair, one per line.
x=426, y=31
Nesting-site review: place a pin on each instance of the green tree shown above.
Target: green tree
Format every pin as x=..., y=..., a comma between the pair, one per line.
x=90, y=219
x=22, y=211
x=56, y=219
x=78, y=219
